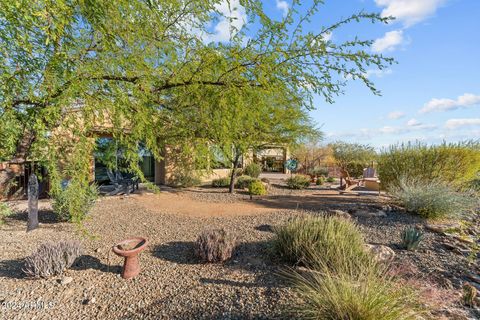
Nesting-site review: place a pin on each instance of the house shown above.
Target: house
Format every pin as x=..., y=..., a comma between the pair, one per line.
x=162, y=171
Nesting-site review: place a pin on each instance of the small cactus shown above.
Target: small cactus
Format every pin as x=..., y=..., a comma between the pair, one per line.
x=411, y=238
x=469, y=295
x=51, y=259
x=214, y=246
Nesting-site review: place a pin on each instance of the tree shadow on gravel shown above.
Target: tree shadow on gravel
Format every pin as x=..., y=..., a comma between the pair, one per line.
x=12, y=269
x=181, y=252
x=86, y=262
x=265, y=228
x=44, y=216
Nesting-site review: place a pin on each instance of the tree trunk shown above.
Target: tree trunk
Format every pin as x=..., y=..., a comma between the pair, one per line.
x=6, y=177
x=32, y=202
x=19, y=158
x=232, y=175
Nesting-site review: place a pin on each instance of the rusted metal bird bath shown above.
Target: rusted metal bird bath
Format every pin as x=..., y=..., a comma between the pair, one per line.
x=130, y=249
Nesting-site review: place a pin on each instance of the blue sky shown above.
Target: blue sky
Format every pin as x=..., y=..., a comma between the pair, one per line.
x=432, y=94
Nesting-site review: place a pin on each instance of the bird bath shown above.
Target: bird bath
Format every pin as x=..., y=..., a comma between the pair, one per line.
x=129, y=249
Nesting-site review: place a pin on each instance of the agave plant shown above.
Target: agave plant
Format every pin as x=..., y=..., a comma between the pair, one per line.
x=411, y=238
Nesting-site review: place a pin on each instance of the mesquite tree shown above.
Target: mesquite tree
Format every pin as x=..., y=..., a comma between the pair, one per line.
x=70, y=67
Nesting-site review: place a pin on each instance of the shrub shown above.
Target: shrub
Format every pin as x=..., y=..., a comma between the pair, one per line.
x=456, y=164
x=352, y=157
x=330, y=179
x=244, y=182
x=366, y=294
x=257, y=188
x=74, y=202
x=337, y=241
x=411, y=238
x=185, y=180
x=221, y=182
x=5, y=211
x=432, y=199
x=214, y=246
x=298, y=182
x=253, y=170
x=319, y=171
x=51, y=259
x=320, y=180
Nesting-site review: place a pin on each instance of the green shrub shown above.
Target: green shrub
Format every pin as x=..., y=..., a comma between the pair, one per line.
x=330, y=179
x=253, y=170
x=298, y=182
x=363, y=294
x=185, y=180
x=257, y=188
x=221, y=182
x=352, y=157
x=336, y=240
x=5, y=211
x=456, y=164
x=74, y=202
x=320, y=180
x=319, y=171
x=432, y=199
x=411, y=238
x=244, y=182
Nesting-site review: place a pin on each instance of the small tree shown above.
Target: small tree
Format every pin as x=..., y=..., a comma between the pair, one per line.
x=351, y=158
x=312, y=156
x=237, y=129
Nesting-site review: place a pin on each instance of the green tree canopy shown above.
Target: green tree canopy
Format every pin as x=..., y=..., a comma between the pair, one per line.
x=72, y=68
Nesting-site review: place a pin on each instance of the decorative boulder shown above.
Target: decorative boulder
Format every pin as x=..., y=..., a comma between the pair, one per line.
x=381, y=253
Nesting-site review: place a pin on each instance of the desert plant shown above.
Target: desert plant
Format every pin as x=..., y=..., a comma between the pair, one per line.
x=243, y=182
x=432, y=199
x=5, y=211
x=73, y=202
x=298, y=182
x=257, y=188
x=51, y=259
x=330, y=179
x=214, y=246
x=411, y=238
x=221, y=182
x=366, y=293
x=352, y=157
x=253, y=170
x=469, y=295
x=320, y=171
x=320, y=180
x=336, y=240
x=455, y=163
x=185, y=180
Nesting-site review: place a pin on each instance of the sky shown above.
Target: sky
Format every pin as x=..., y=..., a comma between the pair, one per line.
x=431, y=94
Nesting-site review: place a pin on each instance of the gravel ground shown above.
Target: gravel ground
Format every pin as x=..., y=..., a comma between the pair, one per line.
x=173, y=285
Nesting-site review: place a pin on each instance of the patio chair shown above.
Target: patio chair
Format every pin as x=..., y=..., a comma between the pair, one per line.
x=121, y=184
x=368, y=181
